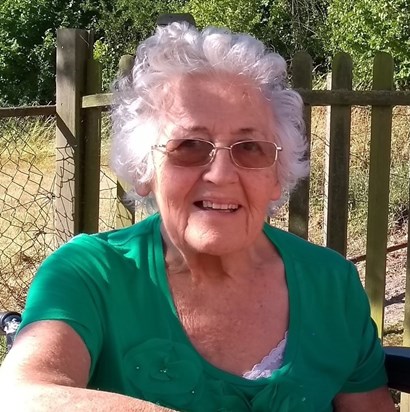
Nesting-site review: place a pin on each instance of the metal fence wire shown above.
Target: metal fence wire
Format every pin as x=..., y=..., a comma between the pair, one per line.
x=26, y=200
x=27, y=176
x=108, y=180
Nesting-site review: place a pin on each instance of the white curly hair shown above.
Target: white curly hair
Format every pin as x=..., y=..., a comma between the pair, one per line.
x=179, y=49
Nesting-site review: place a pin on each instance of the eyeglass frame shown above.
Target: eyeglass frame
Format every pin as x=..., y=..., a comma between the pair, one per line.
x=215, y=149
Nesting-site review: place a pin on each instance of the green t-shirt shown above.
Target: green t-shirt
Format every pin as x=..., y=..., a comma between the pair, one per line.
x=112, y=289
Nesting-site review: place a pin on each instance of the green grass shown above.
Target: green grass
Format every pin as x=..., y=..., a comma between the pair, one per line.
x=359, y=171
x=2, y=348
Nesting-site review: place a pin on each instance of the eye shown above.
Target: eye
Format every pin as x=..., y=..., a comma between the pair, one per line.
x=190, y=144
x=250, y=146
x=189, y=152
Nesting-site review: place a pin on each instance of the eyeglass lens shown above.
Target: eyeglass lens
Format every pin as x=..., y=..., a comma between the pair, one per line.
x=251, y=154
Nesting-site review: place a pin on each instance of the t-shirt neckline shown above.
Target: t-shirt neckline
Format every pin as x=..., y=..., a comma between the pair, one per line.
x=274, y=235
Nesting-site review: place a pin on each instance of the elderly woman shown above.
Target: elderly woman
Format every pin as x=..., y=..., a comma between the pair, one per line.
x=202, y=306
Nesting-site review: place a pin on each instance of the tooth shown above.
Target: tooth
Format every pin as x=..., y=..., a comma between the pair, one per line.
x=219, y=206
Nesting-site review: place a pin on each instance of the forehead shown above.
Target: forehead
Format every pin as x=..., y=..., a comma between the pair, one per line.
x=217, y=101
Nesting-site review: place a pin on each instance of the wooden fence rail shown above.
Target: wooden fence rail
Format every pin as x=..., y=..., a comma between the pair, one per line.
x=27, y=111
x=310, y=97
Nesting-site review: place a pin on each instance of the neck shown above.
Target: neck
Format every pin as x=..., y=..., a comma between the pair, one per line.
x=202, y=267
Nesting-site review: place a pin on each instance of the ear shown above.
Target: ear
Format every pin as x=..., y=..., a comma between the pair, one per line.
x=143, y=189
x=276, y=192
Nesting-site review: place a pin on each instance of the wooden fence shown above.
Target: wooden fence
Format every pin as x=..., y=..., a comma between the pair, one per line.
x=79, y=103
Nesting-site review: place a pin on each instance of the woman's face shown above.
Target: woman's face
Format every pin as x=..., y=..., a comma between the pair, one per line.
x=218, y=208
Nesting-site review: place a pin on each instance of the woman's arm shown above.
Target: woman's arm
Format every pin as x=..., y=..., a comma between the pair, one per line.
x=47, y=370
x=377, y=400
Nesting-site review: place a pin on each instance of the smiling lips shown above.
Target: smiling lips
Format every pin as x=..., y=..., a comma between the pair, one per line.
x=221, y=207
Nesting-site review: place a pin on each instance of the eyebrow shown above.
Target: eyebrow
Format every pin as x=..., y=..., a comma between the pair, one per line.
x=248, y=130
x=204, y=129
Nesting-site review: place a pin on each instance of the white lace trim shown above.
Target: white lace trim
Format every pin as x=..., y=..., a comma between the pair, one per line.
x=269, y=363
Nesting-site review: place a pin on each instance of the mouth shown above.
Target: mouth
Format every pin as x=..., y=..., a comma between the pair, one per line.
x=218, y=207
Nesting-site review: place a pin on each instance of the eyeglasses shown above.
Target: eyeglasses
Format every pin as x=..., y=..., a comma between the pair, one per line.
x=248, y=154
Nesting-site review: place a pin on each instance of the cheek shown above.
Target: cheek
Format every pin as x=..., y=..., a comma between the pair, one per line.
x=274, y=187
x=264, y=188
x=172, y=187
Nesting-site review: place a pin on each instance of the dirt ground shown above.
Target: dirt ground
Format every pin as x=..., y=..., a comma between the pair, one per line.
x=395, y=288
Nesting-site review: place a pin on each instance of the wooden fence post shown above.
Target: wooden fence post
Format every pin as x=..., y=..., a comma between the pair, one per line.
x=378, y=203
x=337, y=187
x=405, y=399
x=125, y=215
x=72, y=53
x=406, y=334
x=90, y=197
x=299, y=200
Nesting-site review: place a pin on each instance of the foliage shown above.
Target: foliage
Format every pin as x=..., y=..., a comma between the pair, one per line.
x=238, y=15
x=362, y=27
x=28, y=32
x=286, y=26
x=27, y=47
x=321, y=27
x=120, y=25
x=297, y=25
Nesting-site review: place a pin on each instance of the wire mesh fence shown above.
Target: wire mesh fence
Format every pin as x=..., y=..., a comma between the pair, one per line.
x=27, y=176
x=26, y=200
x=3, y=346
x=108, y=181
x=27, y=220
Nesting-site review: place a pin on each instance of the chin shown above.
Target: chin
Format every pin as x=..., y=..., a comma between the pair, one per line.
x=214, y=243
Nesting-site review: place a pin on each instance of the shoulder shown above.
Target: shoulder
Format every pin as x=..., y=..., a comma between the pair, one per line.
x=304, y=252
x=103, y=253
x=317, y=270
x=120, y=241
x=120, y=237
x=123, y=236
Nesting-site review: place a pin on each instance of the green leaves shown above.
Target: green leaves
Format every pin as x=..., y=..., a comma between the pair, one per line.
x=321, y=27
x=121, y=25
x=27, y=47
x=362, y=27
x=238, y=15
x=28, y=30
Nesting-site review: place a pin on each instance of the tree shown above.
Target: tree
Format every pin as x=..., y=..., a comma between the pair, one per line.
x=239, y=15
x=27, y=47
x=286, y=26
x=28, y=33
x=121, y=25
x=362, y=27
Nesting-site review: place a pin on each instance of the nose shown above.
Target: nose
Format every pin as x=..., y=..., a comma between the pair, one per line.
x=221, y=170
